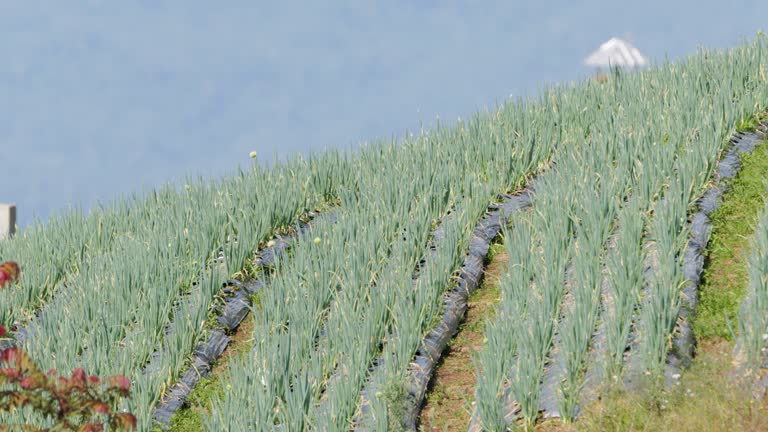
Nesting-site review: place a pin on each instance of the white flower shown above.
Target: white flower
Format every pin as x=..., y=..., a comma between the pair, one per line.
x=676, y=376
x=252, y=155
x=270, y=243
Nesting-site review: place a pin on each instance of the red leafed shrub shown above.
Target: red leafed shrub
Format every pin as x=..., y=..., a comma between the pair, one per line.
x=9, y=272
x=72, y=402
x=119, y=382
x=69, y=400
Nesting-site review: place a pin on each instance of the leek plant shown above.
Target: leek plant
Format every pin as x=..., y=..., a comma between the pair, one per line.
x=625, y=275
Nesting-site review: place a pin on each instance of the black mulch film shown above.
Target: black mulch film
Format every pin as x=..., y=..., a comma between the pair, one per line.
x=422, y=367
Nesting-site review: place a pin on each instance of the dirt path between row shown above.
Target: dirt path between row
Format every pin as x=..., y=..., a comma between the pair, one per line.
x=451, y=391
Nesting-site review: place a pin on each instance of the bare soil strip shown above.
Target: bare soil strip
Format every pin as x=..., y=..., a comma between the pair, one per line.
x=451, y=391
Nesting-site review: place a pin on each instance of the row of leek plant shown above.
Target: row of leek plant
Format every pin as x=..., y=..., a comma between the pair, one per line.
x=753, y=314
x=532, y=285
x=392, y=290
x=373, y=292
x=417, y=305
x=598, y=174
x=610, y=196
x=599, y=195
x=623, y=192
x=116, y=309
x=655, y=157
x=340, y=379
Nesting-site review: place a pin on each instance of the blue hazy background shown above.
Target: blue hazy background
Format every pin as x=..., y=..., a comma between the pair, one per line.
x=102, y=98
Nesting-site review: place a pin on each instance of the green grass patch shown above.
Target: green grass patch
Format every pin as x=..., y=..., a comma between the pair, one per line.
x=189, y=418
x=749, y=124
x=725, y=277
x=706, y=399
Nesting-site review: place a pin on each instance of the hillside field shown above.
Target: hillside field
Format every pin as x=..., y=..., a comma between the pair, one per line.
x=593, y=258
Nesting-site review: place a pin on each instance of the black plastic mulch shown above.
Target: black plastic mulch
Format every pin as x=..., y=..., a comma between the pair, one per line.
x=455, y=301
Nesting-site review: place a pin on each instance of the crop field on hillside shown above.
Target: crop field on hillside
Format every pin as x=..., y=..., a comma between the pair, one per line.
x=596, y=290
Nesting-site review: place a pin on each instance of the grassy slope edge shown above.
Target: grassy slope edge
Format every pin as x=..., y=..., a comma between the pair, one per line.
x=725, y=278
